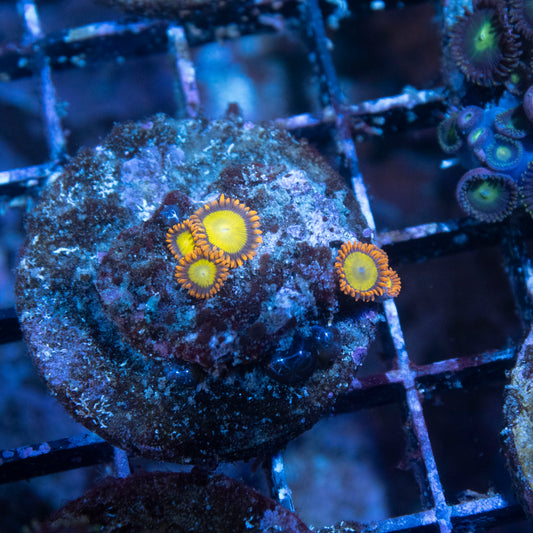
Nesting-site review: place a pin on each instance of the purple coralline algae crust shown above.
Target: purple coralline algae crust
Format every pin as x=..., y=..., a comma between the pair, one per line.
x=166, y=501
x=134, y=357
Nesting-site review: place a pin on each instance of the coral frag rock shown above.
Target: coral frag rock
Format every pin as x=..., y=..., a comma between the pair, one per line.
x=175, y=375
x=173, y=502
x=518, y=433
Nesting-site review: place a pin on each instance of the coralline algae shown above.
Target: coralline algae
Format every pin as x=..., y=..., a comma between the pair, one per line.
x=137, y=359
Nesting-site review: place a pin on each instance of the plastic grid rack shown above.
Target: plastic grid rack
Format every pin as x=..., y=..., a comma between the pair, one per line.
x=406, y=383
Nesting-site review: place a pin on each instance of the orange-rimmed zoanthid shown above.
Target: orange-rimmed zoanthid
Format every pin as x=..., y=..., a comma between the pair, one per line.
x=364, y=272
x=229, y=226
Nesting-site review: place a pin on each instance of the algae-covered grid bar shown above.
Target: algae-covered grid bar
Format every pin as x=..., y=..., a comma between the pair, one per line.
x=46, y=458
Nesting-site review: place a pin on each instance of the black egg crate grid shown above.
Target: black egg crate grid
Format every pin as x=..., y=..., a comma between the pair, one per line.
x=406, y=383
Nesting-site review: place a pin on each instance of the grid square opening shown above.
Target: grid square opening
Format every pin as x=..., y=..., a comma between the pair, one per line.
x=405, y=50
x=357, y=460
x=269, y=76
x=464, y=428
x=22, y=136
x=405, y=183
x=457, y=305
x=98, y=96
x=25, y=502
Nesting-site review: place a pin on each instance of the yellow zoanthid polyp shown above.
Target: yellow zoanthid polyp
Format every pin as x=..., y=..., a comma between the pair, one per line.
x=180, y=240
x=229, y=226
x=363, y=271
x=202, y=273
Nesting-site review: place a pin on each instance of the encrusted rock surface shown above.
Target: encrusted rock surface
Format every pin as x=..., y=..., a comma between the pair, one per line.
x=518, y=433
x=129, y=352
x=174, y=502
